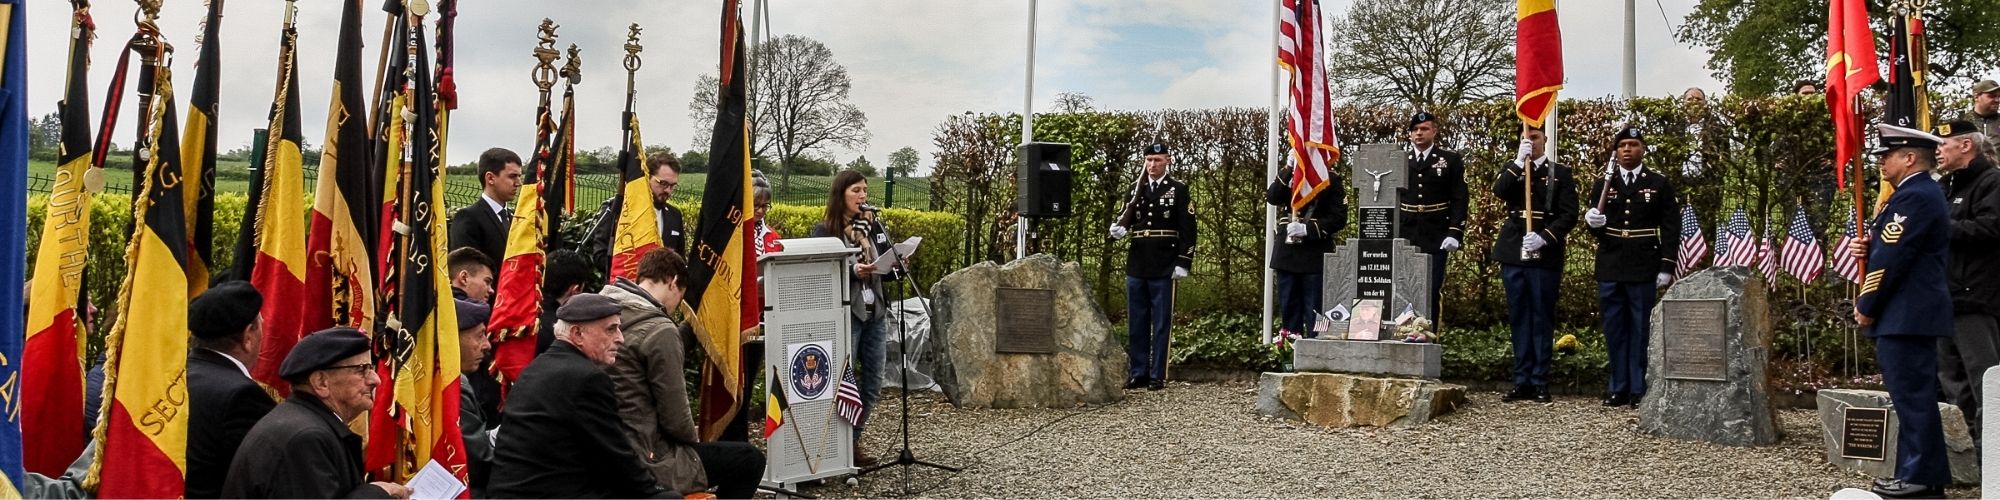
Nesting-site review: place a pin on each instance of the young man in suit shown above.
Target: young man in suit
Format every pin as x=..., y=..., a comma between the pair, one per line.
x=223, y=401
x=483, y=224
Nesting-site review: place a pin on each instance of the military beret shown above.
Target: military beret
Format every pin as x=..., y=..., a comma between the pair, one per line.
x=1420, y=117
x=224, y=310
x=321, y=350
x=471, y=314
x=587, y=307
x=1628, y=132
x=1894, y=137
x=1157, y=148
x=1957, y=128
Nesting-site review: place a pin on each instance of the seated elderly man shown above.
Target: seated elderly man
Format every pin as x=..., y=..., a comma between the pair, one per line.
x=478, y=431
x=563, y=438
x=303, y=448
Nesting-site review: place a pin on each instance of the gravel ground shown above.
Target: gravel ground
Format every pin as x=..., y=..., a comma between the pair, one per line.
x=1206, y=440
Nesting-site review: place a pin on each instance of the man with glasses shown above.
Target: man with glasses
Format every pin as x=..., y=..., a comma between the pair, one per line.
x=303, y=448
x=664, y=175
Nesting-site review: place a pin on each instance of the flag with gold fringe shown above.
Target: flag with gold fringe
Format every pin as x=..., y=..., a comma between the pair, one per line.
x=51, y=364
x=722, y=267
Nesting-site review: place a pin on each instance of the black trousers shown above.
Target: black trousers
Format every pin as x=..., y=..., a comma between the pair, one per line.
x=1962, y=362
x=733, y=468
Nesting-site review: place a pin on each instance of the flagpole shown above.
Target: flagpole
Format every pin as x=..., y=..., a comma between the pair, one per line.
x=1273, y=142
x=1027, y=129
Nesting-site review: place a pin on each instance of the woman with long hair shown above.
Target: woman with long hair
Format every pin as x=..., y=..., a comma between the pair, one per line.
x=849, y=218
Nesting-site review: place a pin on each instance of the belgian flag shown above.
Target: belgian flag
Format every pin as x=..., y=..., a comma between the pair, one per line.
x=723, y=264
x=340, y=264
x=775, y=406
x=52, y=372
x=517, y=300
x=142, y=429
x=279, y=265
x=198, y=152
x=1538, y=63
x=638, y=229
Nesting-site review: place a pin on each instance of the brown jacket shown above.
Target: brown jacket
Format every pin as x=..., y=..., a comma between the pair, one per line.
x=650, y=382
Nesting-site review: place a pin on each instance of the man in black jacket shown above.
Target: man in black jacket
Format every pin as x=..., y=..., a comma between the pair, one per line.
x=563, y=437
x=303, y=448
x=1543, y=196
x=223, y=402
x=1432, y=205
x=1162, y=251
x=1972, y=187
x=663, y=177
x=1298, y=251
x=483, y=224
x=1638, y=230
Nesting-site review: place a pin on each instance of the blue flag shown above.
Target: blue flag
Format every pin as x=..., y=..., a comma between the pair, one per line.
x=13, y=220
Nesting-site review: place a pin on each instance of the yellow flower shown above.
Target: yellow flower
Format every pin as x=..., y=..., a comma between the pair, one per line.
x=1566, y=344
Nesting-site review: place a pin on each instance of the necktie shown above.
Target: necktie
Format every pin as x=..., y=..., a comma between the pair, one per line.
x=506, y=215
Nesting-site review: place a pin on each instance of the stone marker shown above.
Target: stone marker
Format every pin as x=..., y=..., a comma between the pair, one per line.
x=1834, y=405
x=1989, y=398
x=1343, y=400
x=1707, y=365
x=1079, y=361
x=1377, y=264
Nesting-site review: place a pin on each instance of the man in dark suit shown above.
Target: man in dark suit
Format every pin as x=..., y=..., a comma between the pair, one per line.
x=303, y=448
x=1638, y=230
x=1162, y=251
x=1298, y=251
x=223, y=401
x=483, y=224
x=1905, y=305
x=1538, y=193
x=1433, y=201
x=563, y=437
x=664, y=175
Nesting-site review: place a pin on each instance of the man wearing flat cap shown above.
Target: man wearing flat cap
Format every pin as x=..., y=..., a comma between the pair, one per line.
x=303, y=448
x=1903, y=294
x=1157, y=218
x=223, y=401
x=1431, y=208
x=563, y=437
x=1972, y=187
x=1636, y=219
x=472, y=422
x=1985, y=115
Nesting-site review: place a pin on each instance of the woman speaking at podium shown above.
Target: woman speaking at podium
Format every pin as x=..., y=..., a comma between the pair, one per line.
x=850, y=218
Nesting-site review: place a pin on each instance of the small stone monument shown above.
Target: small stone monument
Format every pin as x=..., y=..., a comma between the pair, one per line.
x=1989, y=396
x=1346, y=381
x=1707, y=364
x=1859, y=429
x=1023, y=335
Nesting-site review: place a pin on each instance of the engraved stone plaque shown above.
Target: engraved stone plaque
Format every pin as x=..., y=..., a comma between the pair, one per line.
x=1694, y=331
x=1863, y=433
x=1025, y=320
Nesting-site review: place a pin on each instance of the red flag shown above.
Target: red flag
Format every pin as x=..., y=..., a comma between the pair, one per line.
x=1850, y=68
x=1538, y=64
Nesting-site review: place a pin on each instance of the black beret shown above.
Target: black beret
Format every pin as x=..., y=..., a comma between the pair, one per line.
x=1628, y=132
x=1422, y=116
x=587, y=307
x=1157, y=148
x=471, y=314
x=321, y=350
x=1894, y=137
x=224, y=310
x=1957, y=128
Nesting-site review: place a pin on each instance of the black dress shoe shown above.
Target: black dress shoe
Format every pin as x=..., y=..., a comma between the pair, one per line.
x=1135, y=383
x=1635, y=399
x=1520, y=393
x=1617, y=399
x=1896, y=488
x=1542, y=394
x=1155, y=385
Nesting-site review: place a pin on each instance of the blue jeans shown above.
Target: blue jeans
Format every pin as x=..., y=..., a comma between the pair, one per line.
x=1627, y=326
x=1909, y=371
x=1149, y=304
x=871, y=339
x=1298, y=301
x=1531, y=310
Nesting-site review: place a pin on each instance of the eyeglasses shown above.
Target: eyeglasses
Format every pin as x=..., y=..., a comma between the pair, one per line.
x=359, y=368
x=667, y=184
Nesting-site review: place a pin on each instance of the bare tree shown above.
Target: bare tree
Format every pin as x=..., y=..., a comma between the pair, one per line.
x=1074, y=102
x=1423, y=53
x=798, y=101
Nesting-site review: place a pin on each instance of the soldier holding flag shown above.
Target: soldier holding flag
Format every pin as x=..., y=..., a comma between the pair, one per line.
x=1540, y=196
x=1638, y=229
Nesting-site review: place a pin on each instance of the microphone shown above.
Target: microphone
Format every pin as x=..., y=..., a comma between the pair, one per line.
x=870, y=208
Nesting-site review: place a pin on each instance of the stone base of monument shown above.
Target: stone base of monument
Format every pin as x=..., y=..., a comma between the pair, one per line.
x=1707, y=371
x=1023, y=335
x=1853, y=444
x=1989, y=456
x=1344, y=400
x=1400, y=359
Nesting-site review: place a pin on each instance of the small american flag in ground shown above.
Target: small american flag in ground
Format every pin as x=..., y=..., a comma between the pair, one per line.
x=1803, y=257
x=1844, y=264
x=1694, y=246
x=1767, y=258
x=847, y=401
x=1740, y=249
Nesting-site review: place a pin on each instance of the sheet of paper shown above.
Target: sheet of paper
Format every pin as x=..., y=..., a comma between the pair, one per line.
x=433, y=482
x=893, y=256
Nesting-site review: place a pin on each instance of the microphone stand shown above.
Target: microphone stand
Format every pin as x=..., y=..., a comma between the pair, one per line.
x=905, y=457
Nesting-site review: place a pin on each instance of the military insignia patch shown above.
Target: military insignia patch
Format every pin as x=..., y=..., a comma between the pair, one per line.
x=1873, y=282
x=1893, y=231
x=811, y=372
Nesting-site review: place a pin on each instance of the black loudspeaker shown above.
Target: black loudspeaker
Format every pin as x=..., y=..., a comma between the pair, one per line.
x=1045, y=179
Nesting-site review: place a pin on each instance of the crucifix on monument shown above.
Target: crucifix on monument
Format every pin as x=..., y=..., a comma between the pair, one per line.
x=1378, y=265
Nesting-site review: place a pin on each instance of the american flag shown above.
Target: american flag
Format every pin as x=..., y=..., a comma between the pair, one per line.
x=1740, y=249
x=1767, y=257
x=1721, y=241
x=1844, y=264
x=847, y=400
x=1693, y=247
x=1315, y=148
x=1803, y=257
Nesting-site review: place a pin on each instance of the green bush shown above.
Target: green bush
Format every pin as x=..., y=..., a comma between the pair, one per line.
x=1229, y=341
x=1487, y=354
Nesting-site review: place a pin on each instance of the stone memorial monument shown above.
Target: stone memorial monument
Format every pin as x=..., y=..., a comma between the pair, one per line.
x=1707, y=363
x=1023, y=335
x=1382, y=383
x=1859, y=429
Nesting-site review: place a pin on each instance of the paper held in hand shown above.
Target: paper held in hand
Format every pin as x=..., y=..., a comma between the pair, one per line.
x=434, y=482
x=895, y=255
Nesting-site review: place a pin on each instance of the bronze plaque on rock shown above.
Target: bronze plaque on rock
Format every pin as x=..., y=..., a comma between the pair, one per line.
x=1694, y=331
x=1024, y=320
x=1864, y=433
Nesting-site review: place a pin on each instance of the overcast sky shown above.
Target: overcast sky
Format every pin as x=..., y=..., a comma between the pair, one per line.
x=913, y=62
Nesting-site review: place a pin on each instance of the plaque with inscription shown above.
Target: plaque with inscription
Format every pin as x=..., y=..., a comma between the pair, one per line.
x=1863, y=432
x=1694, y=331
x=1378, y=223
x=1024, y=320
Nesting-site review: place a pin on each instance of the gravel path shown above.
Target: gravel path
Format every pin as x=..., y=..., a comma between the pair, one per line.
x=1206, y=440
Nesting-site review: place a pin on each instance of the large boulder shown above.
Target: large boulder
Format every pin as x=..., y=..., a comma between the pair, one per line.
x=1958, y=444
x=1708, y=361
x=1346, y=400
x=1086, y=364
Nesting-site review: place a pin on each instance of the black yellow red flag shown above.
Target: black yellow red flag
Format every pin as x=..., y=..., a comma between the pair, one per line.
x=340, y=265
x=280, y=264
x=723, y=264
x=198, y=152
x=51, y=370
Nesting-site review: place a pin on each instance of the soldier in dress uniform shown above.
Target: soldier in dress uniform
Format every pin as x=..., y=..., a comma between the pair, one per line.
x=1905, y=305
x=1157, y=219
x=1637, y=224
x=1531, y=262
x=1432, y=203
x=1298, y=252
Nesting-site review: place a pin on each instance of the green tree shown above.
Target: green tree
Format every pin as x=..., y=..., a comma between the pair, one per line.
x=861, y=164
x=1761, y=47
x=1423, y=53
x=799, y=104
x=694, y=161
x=45, y=137
x=904, y=161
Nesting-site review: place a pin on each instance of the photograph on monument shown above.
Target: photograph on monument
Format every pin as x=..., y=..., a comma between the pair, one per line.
x=1367, y=322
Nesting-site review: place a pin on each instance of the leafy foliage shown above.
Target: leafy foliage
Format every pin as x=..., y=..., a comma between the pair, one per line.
x=1762, y=47
x=1423, y=53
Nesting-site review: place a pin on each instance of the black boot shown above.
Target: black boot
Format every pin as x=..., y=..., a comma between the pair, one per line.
x=1542, y=394
x=1135, y=383
x=1617, y=399
x=1520, y=393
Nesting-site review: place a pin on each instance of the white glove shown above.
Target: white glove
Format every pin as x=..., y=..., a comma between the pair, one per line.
x=1663, y=280
x=1180, y=272
x=1533, y=242
x=1117, y=232
x=1296, y=230
x=1450, y=244
x=1594, y=218
x=1521, y=156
